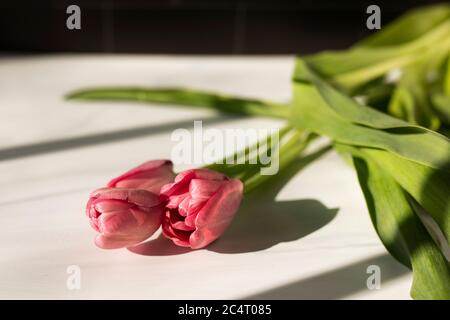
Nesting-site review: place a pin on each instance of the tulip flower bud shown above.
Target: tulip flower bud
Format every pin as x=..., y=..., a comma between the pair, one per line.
x=123, y=217
x=200, y=205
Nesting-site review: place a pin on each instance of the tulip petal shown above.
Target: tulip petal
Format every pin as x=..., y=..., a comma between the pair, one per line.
x=203, y=189
x=94, y=224
x=175, y=200
x=180, y=238
x=150, y=176
x=181, y=184
x=190, y=221
x=177, y=221
x=183, y=179
x=111, y=206
x=117, y=223
x=180, y=225
x=216, y=214
x=124, y=217
x=139, y=197
x=201, y=204
x=206, y=174
x=183, y=207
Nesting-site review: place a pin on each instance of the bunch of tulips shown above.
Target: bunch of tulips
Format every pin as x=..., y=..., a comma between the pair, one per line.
x=384, y=104
x=194, y=208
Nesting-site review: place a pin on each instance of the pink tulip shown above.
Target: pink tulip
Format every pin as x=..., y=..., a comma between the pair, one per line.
x=150, y=176
x=123, y=217
x=200, y=205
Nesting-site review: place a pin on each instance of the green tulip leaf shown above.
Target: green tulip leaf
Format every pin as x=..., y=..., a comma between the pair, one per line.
x=184, y=97
x=322, y=109
x=395, y=218
x=408, y=27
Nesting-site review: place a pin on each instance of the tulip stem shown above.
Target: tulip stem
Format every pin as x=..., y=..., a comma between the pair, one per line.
x=288, y=152
x=289, y=144
x=238, y=164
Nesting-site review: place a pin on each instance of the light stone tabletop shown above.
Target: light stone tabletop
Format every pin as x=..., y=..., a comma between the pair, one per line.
x=310, y=239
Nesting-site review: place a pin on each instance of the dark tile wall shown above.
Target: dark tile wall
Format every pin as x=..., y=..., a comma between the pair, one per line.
x=190, y=26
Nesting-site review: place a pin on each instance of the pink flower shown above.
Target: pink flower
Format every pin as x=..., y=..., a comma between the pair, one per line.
x=200, y=205
x=150, y=176
x=123, y=217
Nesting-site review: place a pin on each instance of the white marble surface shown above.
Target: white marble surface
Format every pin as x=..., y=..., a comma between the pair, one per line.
x=313, y=240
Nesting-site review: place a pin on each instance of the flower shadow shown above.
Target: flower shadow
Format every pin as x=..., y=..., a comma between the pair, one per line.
x=261, y=226
x=160, y=246
x=263, y=222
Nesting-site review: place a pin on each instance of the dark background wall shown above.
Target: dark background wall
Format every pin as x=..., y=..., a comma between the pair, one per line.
x=191, y=26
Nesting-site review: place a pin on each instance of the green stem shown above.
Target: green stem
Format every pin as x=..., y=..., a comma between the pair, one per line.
x=288, y=152
x=185, y=97
x=245, y=153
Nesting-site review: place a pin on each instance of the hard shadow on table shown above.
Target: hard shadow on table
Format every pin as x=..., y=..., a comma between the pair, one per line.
x=100, y=138
x=263, y=222
x=338, y=283
x=267, y=223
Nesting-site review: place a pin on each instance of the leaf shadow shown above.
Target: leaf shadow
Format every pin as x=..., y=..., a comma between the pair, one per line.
x=68, y=143
x=336, y=283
